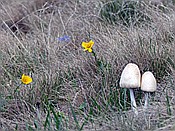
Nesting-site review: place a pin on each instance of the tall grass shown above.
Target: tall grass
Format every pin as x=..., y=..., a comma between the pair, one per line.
x=75, y=90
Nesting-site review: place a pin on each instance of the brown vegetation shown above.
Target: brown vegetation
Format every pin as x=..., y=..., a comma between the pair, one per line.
x=14, y=14
x=70, y=81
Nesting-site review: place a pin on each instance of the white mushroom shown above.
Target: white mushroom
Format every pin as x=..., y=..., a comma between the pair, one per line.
x=148, y=84
x=130, y=78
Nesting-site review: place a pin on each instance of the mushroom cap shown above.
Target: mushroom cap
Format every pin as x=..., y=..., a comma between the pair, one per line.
x=148, y=82
x=130, y=77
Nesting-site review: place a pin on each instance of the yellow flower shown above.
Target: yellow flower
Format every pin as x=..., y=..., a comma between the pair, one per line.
x=26, y=79
x=88, y=45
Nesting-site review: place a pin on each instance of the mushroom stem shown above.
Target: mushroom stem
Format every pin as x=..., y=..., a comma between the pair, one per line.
x=146, y=100
x=133, y=102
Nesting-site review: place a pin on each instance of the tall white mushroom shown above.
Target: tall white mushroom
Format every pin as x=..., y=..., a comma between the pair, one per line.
x=130, y=78
x=148, y=84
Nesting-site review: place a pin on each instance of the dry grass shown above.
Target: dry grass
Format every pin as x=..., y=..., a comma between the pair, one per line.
x=68, y=80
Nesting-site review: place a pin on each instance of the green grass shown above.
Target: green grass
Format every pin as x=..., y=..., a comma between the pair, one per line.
x=127, y=13
x=77, y=90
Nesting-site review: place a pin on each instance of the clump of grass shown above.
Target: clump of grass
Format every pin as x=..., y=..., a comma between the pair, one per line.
x=128, y=13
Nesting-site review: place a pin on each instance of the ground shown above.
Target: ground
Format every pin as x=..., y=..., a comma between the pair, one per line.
x=73, y=89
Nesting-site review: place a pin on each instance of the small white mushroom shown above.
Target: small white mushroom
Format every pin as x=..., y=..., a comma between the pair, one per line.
x=148, y=84
x=130, y=78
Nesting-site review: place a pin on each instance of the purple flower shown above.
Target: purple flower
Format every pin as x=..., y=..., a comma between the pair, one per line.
x=64, y=38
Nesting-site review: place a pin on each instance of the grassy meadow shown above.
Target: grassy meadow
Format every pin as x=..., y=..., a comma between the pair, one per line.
x=73, y=89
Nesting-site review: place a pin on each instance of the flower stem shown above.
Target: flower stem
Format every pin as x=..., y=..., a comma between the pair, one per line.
x=93, y=53
x=17, y=88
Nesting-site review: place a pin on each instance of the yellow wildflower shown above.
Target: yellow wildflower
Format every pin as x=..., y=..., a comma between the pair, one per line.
x=88, y=45
x=26, y=79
